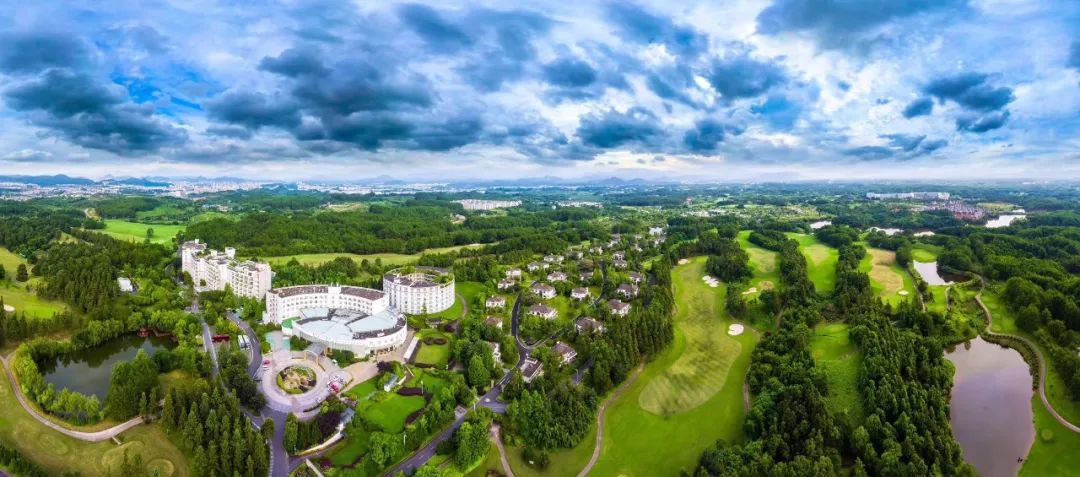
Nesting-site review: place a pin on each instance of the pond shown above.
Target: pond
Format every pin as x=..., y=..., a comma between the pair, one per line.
x=1004, y=220
x=88, y=371
x=990, y=407
x=929, y=272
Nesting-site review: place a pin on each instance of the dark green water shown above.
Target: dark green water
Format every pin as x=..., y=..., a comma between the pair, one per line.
x=88, y=371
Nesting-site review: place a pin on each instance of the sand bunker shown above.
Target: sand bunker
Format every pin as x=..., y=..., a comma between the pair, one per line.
x=902, y=293
x=9, y=308
x=735, y=329
x=711, y=281
x=683, y=261
x=750, y=290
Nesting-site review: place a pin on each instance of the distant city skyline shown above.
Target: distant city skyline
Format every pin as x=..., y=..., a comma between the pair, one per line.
x=767, y=90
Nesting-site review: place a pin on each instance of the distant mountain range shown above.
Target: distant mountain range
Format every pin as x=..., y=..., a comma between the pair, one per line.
x=56, y=180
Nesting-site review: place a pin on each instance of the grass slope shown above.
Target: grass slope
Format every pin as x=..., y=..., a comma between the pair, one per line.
x=834, y=353
x=887, y=278
x=640, y=443
x=58, y=453
x=1056, y=450
x=702, y=369
x=136, y=232
x=315, y=259
x=820, y=261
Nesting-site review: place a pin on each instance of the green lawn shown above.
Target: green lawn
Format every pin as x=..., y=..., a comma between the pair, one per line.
x=887, y=278
x=924, y=252
x=357, y=443
x=562, y=463
x=834, y=353
x=427, y=380
x=136, y=232
x=638, y=442
x=491, y=462
x=16, y=295
x=390, y=414
x=361, y=392
x=766, y=273
x=435, y=355
x=58, y=453
x=1056, y=450
x=820, y=261
x=387, y=258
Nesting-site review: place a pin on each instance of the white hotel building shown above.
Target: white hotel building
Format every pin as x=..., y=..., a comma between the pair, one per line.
x=416, y=290
x=347, y=318
x=212, y=270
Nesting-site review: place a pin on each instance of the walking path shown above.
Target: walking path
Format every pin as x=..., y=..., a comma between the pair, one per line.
x=102, y=435
x=495, y=431
x=600, y=421
x=1038, y=356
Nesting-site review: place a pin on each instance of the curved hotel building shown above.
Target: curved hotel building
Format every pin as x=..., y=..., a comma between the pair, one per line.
x=347, y=318
x=416, y=290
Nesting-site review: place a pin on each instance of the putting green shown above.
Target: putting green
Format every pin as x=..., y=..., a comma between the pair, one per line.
x=702, y=369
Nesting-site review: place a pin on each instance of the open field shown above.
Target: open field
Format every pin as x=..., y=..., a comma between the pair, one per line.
x=638, y=442
x=887, y=278
x=315, y=259
x=59, y=453
x=834, y=353
x=820, y=261
x=136, y=232
x=702, y=369
x=562, y=463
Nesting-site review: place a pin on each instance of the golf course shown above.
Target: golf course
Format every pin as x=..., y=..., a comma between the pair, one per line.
x=136, y=232
x=890, y=282
x=820, y=261
x=17, y=296
x=835, y=354
x=688, y=397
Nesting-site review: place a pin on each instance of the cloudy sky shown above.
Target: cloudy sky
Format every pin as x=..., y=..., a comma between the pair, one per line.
x=729, y=90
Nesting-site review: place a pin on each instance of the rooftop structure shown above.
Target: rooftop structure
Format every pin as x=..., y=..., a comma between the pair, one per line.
x=619, y=308
x=494, y=322
x=531, y=369
x=213, y=270
x=125, y=285
x=543, y=311
x=564, y=352
x=495, y=301
x=543, y=290
x=416, y=290
x=557, y=276
x=346, y=318
x=589, y=325
x=579, y=293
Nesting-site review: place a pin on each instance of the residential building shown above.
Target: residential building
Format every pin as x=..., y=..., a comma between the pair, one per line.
x=579, y=293
x=531, y=369
x=565, y=353
x=586, y=276
x=513, y=273
x=589, y=325
x=627, y=290
x=506, y=284
x=494, y=322
x=481, y=204
x=544, y=290
x=495, y=301
x=125, y=285
x=619, y=308
x=534, y=266
x=620, y=255
x=543, y=311
x=553, y=258
x=620, y=264
x=557, y=276
x=213, y=270
x=635, y=277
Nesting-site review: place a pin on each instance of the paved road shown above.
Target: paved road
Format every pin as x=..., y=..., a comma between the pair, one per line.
x=1038, y=356
x=208, y=345
x=255, y=349
x=495, y=431
x=101, y=435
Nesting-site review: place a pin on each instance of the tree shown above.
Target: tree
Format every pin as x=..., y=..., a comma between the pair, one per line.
x=384, y=448
x=149, y=233
x=20, y=273
x=472, y=443
x=290, y=438
x=3, y=272
x=479, y=374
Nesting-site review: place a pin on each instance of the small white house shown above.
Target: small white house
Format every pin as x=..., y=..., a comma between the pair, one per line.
x=619, y=308
x=544, y=290
x=495, y=301
x=513, y=273
x=557, y=276
x=543, y=311
x=579, y=293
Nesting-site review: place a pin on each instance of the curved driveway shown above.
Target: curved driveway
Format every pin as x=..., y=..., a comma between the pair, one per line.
x=1038, y=356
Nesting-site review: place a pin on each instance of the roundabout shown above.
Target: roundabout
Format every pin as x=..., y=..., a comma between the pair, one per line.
x=298, y=381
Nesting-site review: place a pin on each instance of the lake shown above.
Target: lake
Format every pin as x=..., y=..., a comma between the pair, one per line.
x=990, y=406
x=929, y=272
x=88, y=371
x=1004, y=220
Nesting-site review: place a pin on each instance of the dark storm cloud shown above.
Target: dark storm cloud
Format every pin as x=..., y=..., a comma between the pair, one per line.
x=707, y=134
x=843, y=23
x=294, y=62
x=919, y=107
x=82, y=110
x=360, y=86
x=569, y=72
x=613, y=129
x=741, y=76
x=638, y=25
x=253, y=110
x=504, y=47
x=439, y=35
x=970, y=90
x=976, y=123
x=31, y=52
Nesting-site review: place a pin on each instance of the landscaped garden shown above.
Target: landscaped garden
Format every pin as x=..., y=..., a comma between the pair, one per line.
x=296, y=379
x=434, y=348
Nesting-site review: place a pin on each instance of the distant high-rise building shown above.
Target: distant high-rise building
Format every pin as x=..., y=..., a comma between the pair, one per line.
x=212, y=270
x=908, y=196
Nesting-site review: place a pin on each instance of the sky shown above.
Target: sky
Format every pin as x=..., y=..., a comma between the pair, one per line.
x=450, y=90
